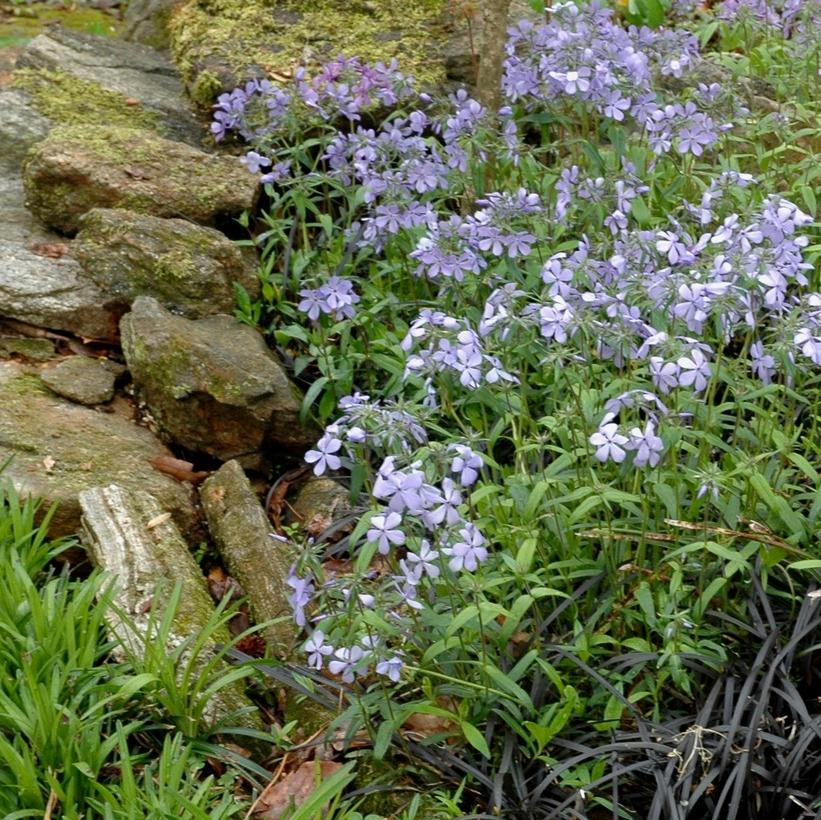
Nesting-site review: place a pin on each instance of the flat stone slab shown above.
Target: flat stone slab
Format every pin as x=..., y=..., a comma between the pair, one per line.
x=60, y=449
x=78, y=168
x=211, y=384
x=51, y=292
x=82, y=379
x=191, y=270
x=137, y=72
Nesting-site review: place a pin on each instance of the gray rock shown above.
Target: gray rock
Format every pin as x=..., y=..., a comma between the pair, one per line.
x=318, y=505
x=242, y=534
x=82, y=380
x=52, y=293
x=78, y=168
x=128, y=537
x=21, y=126
x=16, y=222
x=60, y=449
x=146, y=21
x=188, y=268
x=130, y=69
x=211, y=384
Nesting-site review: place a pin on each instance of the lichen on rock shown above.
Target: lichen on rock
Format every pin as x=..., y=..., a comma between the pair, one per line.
x=212, y=384
x=190, y=269
x=80, y=167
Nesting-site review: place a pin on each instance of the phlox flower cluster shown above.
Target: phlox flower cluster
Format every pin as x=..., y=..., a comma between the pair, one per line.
x=439, y=344
x=342, y=89
x=335, y=298
x=365, y=425
x=418, y=530
x=584, y=55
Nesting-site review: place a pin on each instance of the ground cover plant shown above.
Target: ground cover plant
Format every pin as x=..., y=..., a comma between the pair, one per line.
x=567, y=358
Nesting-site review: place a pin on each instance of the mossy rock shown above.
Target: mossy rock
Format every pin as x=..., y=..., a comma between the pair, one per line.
x=79, y=78
x=80, y=167
x=212, y=384
x=58, y=449
x=190, y=269
x=69, y=100
x=218, y=44
x=35, y=350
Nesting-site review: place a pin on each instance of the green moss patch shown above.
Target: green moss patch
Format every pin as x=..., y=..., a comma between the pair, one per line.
x=28, y=22
x=68, y=100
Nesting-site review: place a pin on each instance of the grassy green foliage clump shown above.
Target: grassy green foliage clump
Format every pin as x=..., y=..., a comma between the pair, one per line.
x=86, y=731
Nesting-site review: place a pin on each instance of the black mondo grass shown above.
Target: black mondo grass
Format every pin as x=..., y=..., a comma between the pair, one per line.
x=751, y=750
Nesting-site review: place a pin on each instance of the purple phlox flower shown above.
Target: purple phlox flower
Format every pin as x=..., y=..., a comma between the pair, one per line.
x=616, y=222
x=324, y=458
x=391, y=667
x=614, y=106
x=469, y=552
x=466, y=464
x=809, y=344
x=695, y=370
x=572, y=82
x=347, y=663
x=762, y=364
x=448, y=510
x=313, y=303
x=423, y=562
x=556, y=320
x=385, y=530
x=317, y=649
x=340, y=297
x=255, y=162
x=673, y=248
x=609, y=443
x=647, y=445
x=303, y=591
x=279, y=172
x=695, y=300
x=556, y=276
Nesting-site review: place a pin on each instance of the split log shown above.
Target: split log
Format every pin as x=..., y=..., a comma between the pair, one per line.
x=242, y=533
x=129, y=535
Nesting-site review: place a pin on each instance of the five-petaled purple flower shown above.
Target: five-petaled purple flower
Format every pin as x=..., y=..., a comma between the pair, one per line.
x=385, y=531
x=609, y=443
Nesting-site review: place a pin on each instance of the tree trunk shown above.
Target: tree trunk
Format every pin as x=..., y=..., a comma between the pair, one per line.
x=493, y=39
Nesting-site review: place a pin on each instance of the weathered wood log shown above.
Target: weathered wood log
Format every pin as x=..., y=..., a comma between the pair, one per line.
x=129, y=535
x=242, y=534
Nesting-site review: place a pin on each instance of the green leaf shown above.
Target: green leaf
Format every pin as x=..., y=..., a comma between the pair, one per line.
x=475, y=738
x=525, y=554
x=383, y=739
x=644, y=596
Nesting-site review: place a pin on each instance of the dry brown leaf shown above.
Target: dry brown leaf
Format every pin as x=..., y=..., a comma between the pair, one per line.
x=52, y=250
x=426, y=725
x=275, y=501
x=294, y=789
x=179, y=469
x=157, y=520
